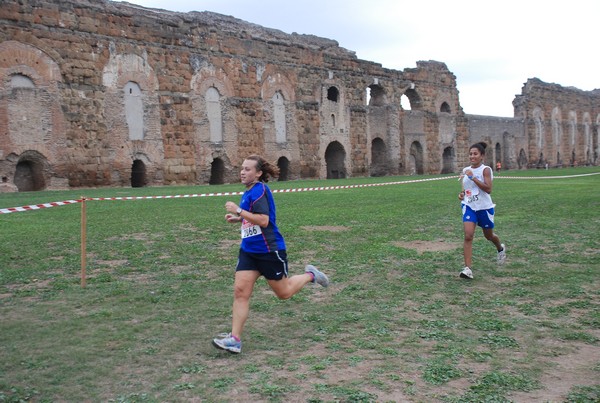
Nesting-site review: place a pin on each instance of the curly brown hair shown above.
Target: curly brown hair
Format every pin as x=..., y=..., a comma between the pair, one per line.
x=265, y=166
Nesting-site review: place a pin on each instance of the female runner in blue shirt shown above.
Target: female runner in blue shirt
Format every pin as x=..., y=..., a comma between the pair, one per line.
x=262, y=251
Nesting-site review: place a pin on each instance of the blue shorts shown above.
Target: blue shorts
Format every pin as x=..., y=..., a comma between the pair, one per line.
x=272, y=265
x=483, y=218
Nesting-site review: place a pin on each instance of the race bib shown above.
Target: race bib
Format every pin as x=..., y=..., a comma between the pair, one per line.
x=249, y=229
x=471, y=190
x=472, y=195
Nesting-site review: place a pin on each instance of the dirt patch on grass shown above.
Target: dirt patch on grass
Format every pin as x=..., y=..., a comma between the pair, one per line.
x=328, y=228
x=574, y=368
x=227, y=244
x=132, y=236
x=428, y=246
x=112, y=263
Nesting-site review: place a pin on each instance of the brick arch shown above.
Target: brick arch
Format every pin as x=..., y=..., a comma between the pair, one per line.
x=120, y=70
x=274, y=82
x=380, y=164
x=335, y=160
x=206, y=78
x=416, y=158
x=280, y=127
x=207, y=152
x=150, y=153
x=444, y=104
x=32, y=172
x=20, y=58
x=123, y=68
x=414, y=98
x=445, y=107
x=378, y=95
x=39, y=106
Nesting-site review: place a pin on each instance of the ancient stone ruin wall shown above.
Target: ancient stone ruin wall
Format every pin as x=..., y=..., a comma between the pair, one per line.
x=99, y=93
x=505, y=137
x=562, y=125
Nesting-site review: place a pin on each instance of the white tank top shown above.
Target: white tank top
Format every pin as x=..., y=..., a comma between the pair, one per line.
x=476, y=198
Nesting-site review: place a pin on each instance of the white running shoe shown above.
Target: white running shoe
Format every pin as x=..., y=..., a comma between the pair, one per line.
x=502, y=254
x=466, y=273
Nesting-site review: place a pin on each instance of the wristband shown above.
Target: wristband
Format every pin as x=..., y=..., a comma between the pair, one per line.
x=470, y=177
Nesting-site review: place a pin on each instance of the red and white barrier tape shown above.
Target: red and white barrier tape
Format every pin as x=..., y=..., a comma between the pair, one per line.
x=37, y=206
x=496, y=176
x=166, y=197
x=308, y=189
x=46, y=205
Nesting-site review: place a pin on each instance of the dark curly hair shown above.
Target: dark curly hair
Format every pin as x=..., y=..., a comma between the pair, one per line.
x=481, y=146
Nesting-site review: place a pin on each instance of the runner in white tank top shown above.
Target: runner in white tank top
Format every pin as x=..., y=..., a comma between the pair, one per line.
x=477, y=206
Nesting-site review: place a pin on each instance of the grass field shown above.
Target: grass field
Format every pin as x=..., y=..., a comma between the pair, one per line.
x=397, y=323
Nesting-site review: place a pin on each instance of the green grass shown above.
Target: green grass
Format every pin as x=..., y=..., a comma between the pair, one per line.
x=397, y=323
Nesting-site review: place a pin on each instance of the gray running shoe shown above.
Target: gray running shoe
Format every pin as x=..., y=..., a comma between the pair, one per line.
x=228, y=344
x=502, y=254
x=320, y=277
x=466, y=273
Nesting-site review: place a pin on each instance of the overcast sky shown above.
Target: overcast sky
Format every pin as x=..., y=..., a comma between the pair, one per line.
x=492, y=47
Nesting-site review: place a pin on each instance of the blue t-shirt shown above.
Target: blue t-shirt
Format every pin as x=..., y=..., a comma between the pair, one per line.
x=259, y=200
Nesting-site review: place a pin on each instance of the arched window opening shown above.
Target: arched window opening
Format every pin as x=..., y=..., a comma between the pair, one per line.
x=541, y=162
x=448, y=158
x=333, y=94
x=138, y=174
x=134, y=110
x=498, y=154
x=539, y=132
x=335, y=157
x=284, y=165
x=377, y=95
x=587, y=139
x=572, y=130
x=413, y=99
x=21, y=81
x=29, y=176
x=213, y=113
x=416, y=159
x=522, y=161
x=405, y=102
x=379, y=158
x=556, y=131
x=279, y=117
x=445, y=107
x=596, y=142
x=217, y=172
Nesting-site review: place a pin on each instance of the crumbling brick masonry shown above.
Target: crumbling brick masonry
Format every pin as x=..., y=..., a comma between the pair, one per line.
x=100, y=93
